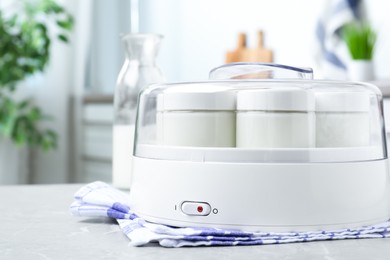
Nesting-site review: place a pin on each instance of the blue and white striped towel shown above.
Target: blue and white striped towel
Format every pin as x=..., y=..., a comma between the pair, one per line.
x=100, y=199
x=332, y=54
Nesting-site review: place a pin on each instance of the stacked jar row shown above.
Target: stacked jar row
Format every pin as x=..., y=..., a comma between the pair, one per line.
x=263, y=118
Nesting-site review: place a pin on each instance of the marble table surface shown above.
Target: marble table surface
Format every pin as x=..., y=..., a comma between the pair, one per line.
x=35, y=224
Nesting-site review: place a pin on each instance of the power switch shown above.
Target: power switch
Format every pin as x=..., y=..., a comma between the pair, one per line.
x=194, y=208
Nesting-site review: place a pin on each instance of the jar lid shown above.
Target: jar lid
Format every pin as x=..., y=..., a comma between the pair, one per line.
x=276, y=99
x=342, y=102
x=198, y=97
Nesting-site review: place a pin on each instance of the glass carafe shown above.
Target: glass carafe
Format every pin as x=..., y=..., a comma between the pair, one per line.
x=138, y=71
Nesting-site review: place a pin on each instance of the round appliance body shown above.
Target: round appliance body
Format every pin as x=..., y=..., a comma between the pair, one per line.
x=261, y=196
x=280, y=153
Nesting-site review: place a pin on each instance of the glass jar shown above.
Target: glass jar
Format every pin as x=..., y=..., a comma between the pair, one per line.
x=201, y=120
x=138, y=71
x=276, y=118
x=342, y=119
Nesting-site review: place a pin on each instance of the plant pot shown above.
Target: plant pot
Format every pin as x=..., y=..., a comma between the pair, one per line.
x=13, y=163
x=361, y=70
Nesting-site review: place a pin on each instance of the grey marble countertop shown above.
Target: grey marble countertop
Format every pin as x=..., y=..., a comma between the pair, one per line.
x=36, y=224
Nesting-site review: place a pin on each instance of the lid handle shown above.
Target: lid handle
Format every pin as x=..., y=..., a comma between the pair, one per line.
x=259, y=70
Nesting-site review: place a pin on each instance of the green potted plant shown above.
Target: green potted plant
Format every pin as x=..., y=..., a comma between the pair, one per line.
x=360, y=39
x=27, y=29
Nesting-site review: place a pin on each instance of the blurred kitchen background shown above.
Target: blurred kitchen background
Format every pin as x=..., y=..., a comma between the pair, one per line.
x=77, y=86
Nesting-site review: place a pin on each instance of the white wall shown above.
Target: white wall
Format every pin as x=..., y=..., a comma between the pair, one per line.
x=199, y=32
x=378, y=13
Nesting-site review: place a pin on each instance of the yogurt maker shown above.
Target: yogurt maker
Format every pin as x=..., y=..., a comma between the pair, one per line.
x=261, y=147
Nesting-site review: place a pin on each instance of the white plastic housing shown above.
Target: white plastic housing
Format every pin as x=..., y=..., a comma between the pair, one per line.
x=263, y=154
x=263, y=196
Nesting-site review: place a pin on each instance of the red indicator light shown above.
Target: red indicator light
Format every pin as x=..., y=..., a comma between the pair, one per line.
x=199, y=209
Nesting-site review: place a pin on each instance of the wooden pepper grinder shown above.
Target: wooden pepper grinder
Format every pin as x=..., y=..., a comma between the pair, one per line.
x=244, y=54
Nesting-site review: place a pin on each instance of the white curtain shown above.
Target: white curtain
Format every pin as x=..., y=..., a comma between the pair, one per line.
x=63, y=79
x=89, y=64
x=110, y=19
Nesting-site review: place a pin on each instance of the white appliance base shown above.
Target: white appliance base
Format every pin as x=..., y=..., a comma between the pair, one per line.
x=262, y=196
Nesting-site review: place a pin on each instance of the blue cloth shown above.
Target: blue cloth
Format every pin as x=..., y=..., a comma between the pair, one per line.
x=100, y=199
x=333, y=54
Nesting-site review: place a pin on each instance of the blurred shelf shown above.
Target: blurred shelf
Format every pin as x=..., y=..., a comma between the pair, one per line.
x=98, y=99
x=95, y=133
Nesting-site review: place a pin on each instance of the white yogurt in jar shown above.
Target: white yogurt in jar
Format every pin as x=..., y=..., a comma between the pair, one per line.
x=275, y=118
x=200, y=117
x=342, y=119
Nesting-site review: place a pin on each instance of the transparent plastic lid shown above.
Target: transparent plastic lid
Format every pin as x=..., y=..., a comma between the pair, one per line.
x=261, y=113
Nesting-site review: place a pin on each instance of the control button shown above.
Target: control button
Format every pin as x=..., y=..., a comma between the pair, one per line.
x=194, y=208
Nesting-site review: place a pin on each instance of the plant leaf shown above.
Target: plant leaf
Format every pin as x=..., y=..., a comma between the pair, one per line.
x=63, y=38
x=360, y=39
x=25, y=40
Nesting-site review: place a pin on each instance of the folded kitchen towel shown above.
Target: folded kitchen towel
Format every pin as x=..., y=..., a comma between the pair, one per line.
x=331, y=52
x=100, y=199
